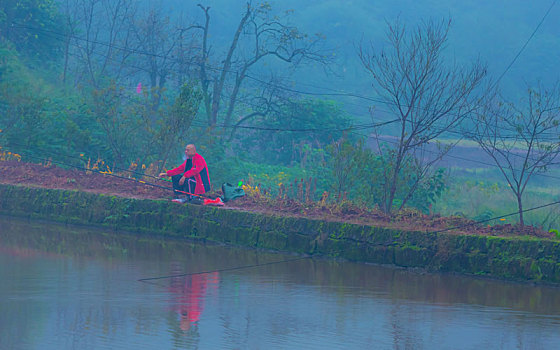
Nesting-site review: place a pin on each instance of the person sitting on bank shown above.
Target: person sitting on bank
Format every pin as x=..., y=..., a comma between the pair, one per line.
x=191, y=177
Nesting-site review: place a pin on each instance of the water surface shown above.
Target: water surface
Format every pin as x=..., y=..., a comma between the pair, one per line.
x=78, y=288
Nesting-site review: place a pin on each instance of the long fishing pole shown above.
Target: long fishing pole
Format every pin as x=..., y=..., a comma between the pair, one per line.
x=117, y=176
x=80, y=158
x=148, y=279
x=223, y=270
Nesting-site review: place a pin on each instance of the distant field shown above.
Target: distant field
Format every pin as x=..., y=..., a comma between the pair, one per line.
x=482, y=193
x=465, y=154
x=477, y=189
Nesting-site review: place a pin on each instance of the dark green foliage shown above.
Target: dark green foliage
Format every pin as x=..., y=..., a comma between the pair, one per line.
x=296, y=130
x=29, y=26
x=429, y=191
x=344, y=165
x=485, y=215
x=118, y=127
x=22, y=103
x=371, y=180
x=64, y=112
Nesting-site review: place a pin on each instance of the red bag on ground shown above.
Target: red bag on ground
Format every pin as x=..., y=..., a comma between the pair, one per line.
x=216, y=202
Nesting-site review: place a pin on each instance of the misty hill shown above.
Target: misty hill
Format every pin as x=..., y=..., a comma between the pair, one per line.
x=494, y=31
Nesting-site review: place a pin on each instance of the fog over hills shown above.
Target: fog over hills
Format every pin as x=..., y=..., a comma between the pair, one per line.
x=494, y=31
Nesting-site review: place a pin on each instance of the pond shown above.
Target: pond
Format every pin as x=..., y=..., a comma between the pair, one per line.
x=69, y=287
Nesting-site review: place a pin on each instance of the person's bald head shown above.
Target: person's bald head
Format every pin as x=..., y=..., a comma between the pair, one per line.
x=190, y=150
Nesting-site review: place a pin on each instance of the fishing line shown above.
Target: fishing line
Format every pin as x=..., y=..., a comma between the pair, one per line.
x=288, y=260
x=310, y=257
x=438, y=231
x=496, y=217
x=114, y=175
x=83, y=158
x=223, y=270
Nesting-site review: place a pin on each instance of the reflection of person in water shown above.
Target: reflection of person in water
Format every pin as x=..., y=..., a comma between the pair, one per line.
x=192, y=291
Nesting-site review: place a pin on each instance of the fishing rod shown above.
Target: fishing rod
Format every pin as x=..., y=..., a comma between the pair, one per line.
x=148, y=279
x=80, y=158
x=222, y=270
x=117, y=176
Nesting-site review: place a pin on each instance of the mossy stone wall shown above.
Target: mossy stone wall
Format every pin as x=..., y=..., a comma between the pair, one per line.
x=515, y=258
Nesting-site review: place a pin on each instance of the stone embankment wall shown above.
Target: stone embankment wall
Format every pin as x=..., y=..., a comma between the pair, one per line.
x=513, y=258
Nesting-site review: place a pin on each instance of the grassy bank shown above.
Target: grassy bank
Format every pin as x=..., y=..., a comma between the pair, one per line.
x=514, y=258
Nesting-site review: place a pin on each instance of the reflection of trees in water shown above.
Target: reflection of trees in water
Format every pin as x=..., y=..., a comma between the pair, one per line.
x=40, y=240
x=404, y=336
x=56, y=240
x=80, y=241
x=416, y=285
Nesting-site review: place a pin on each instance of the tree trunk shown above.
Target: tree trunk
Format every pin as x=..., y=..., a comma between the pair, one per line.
x=219, y=85
x=520, y=206
x=393, y=190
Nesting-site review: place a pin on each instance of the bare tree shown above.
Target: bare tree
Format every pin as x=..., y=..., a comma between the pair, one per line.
x=69, y=10
x=523, y=140
x=259, y=35
x=174, y=119
x=178, y=121
x=267, y=99
x=103, y=46
x=428, y=97
x=186, y=50
x=163, y=51
x=153, y=35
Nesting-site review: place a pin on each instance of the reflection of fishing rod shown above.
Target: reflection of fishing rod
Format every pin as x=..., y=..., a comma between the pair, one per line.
x=82, y=159
x=115, y=175
x=225, y=269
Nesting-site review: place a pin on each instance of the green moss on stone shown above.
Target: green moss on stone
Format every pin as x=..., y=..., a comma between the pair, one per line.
x=517, y=258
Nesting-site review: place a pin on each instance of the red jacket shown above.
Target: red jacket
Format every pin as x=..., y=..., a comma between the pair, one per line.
x=199, y=172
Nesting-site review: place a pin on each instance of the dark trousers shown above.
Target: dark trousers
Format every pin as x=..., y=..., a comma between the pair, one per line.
x=187, y=186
